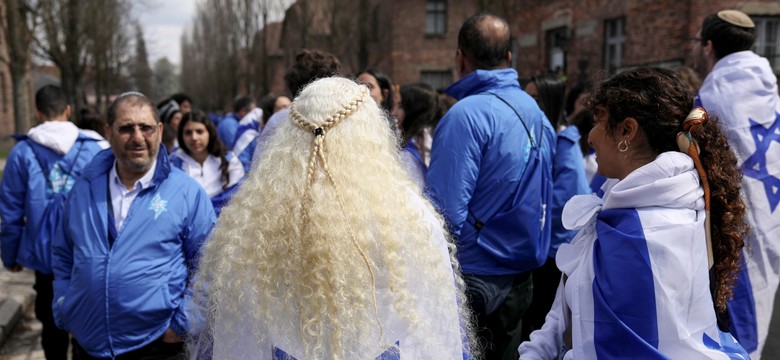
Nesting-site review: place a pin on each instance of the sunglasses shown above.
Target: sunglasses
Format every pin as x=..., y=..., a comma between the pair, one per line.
x=146, y=130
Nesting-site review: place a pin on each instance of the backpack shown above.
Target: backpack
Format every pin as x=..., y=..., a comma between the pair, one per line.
x=526, y=247
x=51, y=225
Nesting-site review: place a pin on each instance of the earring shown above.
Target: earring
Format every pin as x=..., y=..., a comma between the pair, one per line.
x=623, y=145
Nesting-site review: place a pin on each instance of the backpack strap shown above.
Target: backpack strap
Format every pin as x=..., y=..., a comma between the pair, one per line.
x=479, y=224
x=527, y=131
x=33, y=145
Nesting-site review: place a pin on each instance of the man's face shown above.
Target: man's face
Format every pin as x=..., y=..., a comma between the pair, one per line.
x=135, y=138
x=699, y=58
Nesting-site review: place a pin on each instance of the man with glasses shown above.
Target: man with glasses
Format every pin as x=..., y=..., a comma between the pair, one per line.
x=133, y=230
x=740, y=91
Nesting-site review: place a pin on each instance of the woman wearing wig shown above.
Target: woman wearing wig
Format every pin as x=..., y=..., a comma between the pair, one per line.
x=202, y=156
x=647, y=274
x=416, y=112
x=328, y=251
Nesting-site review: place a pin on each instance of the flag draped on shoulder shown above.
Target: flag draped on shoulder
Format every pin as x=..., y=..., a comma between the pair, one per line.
x=741, y=92
x=636, y=278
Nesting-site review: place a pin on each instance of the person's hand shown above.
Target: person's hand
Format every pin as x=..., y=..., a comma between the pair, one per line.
x=171, y=337
x=15, y=268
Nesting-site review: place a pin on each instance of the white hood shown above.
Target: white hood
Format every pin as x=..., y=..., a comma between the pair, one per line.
x=59, y=136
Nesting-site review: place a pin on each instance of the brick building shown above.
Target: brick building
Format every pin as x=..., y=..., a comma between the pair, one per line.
x=415, y=40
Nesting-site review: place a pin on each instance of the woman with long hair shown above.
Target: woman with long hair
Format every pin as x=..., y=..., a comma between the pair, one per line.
x=202, y=155
x=328, y=251
x=416, y=113
x=658, y=252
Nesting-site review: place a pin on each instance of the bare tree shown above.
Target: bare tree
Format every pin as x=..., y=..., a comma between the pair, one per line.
x=165, y=78
x=222, y=52
x=107, y=48
x=141, y=71
x=85, y=37
x=62, y=41
x=19, y=24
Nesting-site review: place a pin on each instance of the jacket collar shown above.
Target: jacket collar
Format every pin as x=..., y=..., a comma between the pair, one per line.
x=483, y=80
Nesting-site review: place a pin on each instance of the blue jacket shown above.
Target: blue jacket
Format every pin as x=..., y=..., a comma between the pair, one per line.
x=568, y=180
x=120, y=298
x=226, y=130
x=478, y=157
x=24, y=194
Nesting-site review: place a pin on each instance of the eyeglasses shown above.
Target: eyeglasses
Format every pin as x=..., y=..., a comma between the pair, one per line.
x=146, y=130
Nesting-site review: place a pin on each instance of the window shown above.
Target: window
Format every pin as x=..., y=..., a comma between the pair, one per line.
x=437, y=79
x=436, y=17
x=768, y=39
x=614, y=39
x=557, y=42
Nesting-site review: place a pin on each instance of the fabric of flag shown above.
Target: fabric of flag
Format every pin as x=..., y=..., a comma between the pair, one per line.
x=637, y=279
x=741, y=92
x=246, y=137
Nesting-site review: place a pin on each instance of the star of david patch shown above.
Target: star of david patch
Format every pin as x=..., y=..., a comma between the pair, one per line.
x=158, y=205
x=392, y=353
x=60, y=181
x=755, y=166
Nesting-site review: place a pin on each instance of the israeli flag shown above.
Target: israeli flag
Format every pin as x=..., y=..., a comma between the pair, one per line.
x=636, y=275
x=741, y=91
x=246, y=137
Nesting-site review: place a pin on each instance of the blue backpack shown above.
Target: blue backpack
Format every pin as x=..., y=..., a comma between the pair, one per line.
x=51, y=225
x=531, y=205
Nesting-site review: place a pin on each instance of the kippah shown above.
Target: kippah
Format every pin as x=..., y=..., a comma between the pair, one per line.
x=736, y=17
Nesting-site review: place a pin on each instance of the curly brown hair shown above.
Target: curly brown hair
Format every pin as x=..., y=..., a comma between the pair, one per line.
x=727, y=210
x=659, y=100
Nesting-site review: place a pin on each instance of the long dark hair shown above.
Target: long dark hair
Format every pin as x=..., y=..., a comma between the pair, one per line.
x=660, y=101
x=552, y=93
x=214, y=147
x=421, y=109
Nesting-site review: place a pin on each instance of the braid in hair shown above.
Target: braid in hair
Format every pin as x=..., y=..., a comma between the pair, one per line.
x=319, y=151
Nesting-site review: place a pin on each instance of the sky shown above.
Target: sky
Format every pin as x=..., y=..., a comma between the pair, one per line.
x=163, y=23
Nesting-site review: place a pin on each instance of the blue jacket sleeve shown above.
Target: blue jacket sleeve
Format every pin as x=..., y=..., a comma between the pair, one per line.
x=62, y=267
x=202, y=220
x=454, y=169
x=568, y=180
x=13, y=192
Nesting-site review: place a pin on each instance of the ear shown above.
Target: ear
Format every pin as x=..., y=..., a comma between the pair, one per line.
x=709, y=50
x=108, y=132
x=385, y=94
x=67, y=111
x=629, y=129
x=460, y=62
x=508, y=58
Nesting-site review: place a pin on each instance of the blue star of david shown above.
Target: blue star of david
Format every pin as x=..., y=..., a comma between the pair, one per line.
x=392, y=353
x=755, y=166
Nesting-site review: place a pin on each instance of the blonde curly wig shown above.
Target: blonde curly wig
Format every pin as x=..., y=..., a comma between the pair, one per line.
x=328, y=246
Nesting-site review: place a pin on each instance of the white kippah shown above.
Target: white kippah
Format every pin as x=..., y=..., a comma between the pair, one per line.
x=737, y=18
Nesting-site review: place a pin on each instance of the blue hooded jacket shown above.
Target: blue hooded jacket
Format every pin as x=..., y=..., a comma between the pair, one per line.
x=25, y=193
x=479, y=154
x=116, y=299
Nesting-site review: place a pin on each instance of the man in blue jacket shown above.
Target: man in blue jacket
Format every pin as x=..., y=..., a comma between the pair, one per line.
x=44, y=163
x=228, y=126
x=133, y=229
x=490, y=176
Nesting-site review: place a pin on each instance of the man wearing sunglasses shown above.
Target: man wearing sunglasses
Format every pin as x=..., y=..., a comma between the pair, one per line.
x=133, y=230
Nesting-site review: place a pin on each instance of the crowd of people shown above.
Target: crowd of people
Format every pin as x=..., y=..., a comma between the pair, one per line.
x=630, y=218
